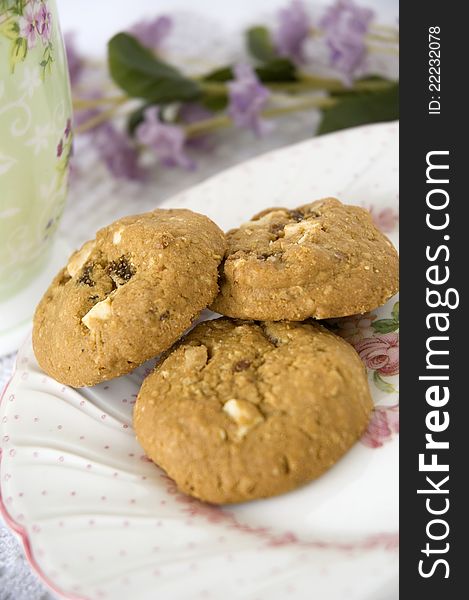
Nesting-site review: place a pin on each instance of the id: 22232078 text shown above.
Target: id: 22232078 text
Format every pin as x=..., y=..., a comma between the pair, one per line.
x=434, y=57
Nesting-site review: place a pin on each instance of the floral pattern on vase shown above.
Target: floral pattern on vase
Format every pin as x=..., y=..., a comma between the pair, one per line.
x=27, y=24
x=35, y=120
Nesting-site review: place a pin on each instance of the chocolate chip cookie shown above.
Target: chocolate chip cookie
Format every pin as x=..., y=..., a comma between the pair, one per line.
x=321, y=260
x=127, y=295
x=243, y=410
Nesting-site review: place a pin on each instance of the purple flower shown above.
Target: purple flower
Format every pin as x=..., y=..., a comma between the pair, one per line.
x=293, y=30
x=191, y=112
x=27, y=25
x=345, y=25
x=44, y=22
x=60, y=148
x=118, y=154
x=248, y=98
x=166, y=141
x=74, y=60
x=152, y=33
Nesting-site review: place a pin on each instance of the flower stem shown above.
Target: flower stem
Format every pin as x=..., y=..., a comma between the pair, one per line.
x=207, y=125
x=223, y=121
x=318, y=102
x=102, y=117
x=314, y=82
x=311, y=82
x=378, y=37
x=382, y=49
x=307, y=82
x=390, y=29
x=82, y=103
x=213, y=88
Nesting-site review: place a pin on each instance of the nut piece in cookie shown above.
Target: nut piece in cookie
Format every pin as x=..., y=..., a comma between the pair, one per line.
x=127, y=295
x=238, y=411
x=323, y=260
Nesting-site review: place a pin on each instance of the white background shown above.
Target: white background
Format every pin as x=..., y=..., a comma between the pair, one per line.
x=96, y=20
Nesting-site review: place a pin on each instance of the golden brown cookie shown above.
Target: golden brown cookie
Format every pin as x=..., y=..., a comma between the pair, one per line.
x=321, y=260
x=127, y=295
x=243, y=410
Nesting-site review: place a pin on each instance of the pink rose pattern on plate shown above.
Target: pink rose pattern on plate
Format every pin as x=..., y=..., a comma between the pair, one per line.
x=377, y=344
x=385, y=219
x=380, y=353
x=383, y=425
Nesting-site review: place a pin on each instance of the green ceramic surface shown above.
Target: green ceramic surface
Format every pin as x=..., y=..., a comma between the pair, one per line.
x=35, y=137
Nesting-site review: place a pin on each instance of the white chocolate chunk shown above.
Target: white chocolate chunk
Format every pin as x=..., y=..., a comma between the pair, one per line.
x=195, y=357
x=116, y=238
x=244, y=414
x=79, y=258
x=100, y=312
x=303, y=229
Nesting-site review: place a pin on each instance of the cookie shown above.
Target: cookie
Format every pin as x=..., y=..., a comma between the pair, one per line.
x=127, y=295
x=321, y=260
x=243, y=410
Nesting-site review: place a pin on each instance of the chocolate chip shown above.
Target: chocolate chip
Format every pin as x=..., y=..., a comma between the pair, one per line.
x=296, y=215
x=276, y=228
x=241, y=365
x=86, y=276
x=121, y=270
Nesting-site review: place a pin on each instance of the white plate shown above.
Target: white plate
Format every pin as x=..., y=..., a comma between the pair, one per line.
x=100, y=521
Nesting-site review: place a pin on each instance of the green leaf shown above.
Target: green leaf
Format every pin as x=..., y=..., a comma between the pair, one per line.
x=361, y=108
x=385, y=325
x=260, y=43
x=141, y=75
x=18, y=52
x=383, y=385
x=277, y=70
x=369, y=79
x=10, y=28
x=136, y=117
x=220, y=75
x=395, y=312
x=214, y=102
x=274, y=71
